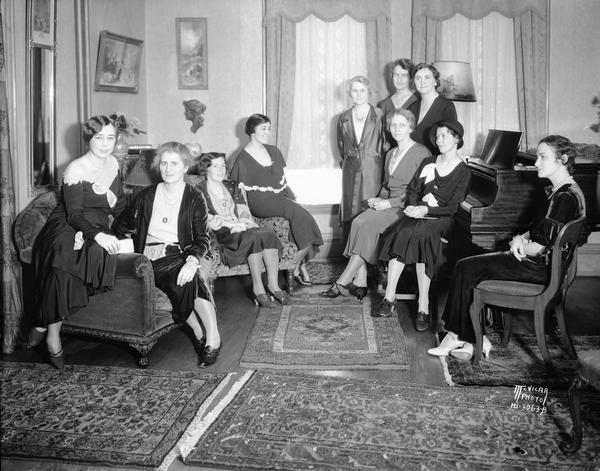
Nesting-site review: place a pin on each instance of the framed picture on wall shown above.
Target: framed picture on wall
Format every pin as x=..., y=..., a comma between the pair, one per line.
x=192, y=59
x=118, y=64
x=42, y=14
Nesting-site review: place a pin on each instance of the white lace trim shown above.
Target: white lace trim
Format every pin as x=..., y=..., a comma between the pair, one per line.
x=81, y=171
x=264, y=188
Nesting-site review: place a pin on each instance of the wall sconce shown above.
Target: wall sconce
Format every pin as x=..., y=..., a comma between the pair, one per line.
x=456, y=80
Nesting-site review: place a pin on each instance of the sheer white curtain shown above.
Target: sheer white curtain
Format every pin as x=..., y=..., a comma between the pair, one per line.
x=488, y=44
x=327, y=55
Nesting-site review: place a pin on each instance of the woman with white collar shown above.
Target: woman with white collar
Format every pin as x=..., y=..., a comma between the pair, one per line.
x=527, y=259
x=74, y=254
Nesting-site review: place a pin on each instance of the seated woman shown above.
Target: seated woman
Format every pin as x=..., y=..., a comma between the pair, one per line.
x=527, y=259
x=169, y=223
x=74, y=255
x=362, y=246
x=433, y=196
x=258, y=171
x=239, y=237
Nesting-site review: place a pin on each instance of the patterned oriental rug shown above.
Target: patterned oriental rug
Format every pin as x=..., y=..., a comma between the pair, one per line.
x=103, y=415
x=319, y=333
x=518, y=363
x=285, y=421
x=322, y=273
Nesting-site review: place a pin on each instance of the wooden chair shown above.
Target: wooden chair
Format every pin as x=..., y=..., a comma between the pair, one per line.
x=533, y=297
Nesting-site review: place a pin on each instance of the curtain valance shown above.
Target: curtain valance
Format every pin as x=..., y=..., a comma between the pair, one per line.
x=297, y=10
x=475, y=9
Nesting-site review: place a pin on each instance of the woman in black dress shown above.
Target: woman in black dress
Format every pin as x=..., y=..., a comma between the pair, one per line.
x=74, y=255
x=527, y=259
x=433, y=196
x=170, y=226
x=258, y=171
x=240, y=239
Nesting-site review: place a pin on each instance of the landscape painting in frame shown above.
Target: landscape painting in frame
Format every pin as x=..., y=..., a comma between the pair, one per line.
x=192, y=60
x=41, y=22
x=118, y=65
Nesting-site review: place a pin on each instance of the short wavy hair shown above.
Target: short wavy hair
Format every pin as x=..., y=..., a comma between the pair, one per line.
x=410, y=117
x=254, y=121
x=172, y=146
x=561, y=146
x=404, y=63
x=94, y=125
x=434, y=71
x=206, y=161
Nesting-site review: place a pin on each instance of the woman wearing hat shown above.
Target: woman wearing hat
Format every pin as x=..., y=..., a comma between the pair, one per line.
x=527, y=259
x=433, y=196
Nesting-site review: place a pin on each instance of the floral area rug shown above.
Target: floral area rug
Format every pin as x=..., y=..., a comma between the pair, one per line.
x=285, y=421
x=322, y=273
x=520, y=362
x=99, y=415
x=319, y=333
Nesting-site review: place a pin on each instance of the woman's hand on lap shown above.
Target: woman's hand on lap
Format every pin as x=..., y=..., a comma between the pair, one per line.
x=108, y=242
x=382, y=204
x=187, y=273
x=416, y=212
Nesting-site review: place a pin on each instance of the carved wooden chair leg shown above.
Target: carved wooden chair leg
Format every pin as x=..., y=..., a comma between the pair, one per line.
x=539, y=320
x=289, y=277
x=475, y=312
x=573, y=442
x=507, y=319
x=142, y=350
x=564, y=333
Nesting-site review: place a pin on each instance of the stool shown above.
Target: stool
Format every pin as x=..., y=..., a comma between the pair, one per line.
x=588, y=373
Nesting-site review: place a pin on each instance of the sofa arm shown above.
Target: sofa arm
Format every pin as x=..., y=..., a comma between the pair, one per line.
x=133, y=264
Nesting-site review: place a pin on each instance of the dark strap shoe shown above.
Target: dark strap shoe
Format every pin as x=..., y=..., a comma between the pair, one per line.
x=57, y=360
x=199, y=345
x=210, y=355
x=386, y=309
x=422, y=322
x=281, y=297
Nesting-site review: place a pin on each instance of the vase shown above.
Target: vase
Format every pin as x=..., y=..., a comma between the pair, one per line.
x=121, y=150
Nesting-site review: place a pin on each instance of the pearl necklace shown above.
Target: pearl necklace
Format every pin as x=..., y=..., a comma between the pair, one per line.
x=170, y=202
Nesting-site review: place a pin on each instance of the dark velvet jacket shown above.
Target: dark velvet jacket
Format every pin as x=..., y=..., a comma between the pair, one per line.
x=192, y=222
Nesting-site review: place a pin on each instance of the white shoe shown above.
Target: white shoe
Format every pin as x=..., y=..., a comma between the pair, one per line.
x=466, y=353
x=449, y=342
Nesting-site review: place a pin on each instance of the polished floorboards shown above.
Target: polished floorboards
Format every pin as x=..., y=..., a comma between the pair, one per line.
x=236, y=315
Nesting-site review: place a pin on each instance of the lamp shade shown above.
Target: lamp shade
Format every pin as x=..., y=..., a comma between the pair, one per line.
x=456, y=80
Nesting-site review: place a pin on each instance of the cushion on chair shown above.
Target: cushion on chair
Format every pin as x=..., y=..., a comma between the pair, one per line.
x=516, y=288
x=589, y=367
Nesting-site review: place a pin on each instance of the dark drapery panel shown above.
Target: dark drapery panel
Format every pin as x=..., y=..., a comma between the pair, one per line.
x=530, y=20
x=12, y=308
x=280, y=19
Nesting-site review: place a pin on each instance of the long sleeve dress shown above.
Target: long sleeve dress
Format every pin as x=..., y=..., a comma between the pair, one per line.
x=69, y=264
x=362, y=161
x=235, y=247
x=367, y=227
x=419, y=240
x=193, y=240
x=387, y=106
x=441, y=109
x=269, y=196
x=566, y=204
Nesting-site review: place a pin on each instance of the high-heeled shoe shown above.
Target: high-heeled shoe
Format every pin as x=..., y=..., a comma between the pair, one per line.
x=466, y=352
x=210, y=355
x=386, y=309
x=199, y=344
x=302, y=278
x=422, y=321
x=358, y=291
x=449, y=342
x=335, y=290
x=263, y=300
x=281, y=297
x=36, y=337
x=57, y=360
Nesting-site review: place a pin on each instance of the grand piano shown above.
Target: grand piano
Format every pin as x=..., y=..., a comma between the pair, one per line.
x=504, y=201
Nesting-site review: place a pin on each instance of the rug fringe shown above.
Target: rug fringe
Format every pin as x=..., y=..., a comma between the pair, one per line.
x=447, y=375
x=201, y=422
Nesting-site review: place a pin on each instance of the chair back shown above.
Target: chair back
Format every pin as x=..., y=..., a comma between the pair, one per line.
x=30, y=221
x=563, y=259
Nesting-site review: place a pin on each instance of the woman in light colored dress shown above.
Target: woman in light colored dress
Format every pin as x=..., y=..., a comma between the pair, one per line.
x=362, y=247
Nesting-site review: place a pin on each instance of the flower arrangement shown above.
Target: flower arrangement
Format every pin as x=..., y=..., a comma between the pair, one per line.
x=596, y=104
x=126, y=126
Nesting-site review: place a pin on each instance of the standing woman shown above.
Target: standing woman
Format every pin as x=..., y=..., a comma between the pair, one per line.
x=258, y=171
x=169, y=223
x=433, y=196
x=360, y=142
x=529, y=254
x=74, y=255
x=430, y=107
x=385, y=210
x=402, y=72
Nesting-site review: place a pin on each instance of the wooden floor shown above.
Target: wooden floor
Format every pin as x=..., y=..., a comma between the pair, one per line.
x=237, y=313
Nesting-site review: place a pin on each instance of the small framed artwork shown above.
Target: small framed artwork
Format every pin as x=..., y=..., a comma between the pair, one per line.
x=118, y=65
x=42, y=14
x=192, y=59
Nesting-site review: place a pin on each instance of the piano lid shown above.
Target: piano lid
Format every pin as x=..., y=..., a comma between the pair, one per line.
x=500, y=148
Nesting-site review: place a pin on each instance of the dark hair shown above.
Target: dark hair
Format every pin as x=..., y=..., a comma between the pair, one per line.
x=206, y=161
x=172, y=146
x=254, y=121
x=434, y=71
x=410, y=117
x=94, y=125
x=561, y=146
x=406, y=64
